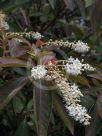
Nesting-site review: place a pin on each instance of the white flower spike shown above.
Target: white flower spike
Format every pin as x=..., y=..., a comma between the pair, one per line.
x=80, y=47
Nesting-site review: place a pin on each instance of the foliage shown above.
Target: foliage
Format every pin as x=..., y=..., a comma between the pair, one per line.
x=30, y=110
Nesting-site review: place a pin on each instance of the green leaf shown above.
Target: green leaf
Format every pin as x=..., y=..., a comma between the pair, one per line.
x=10, y=89
x=59, y=107
x=80, y=79
x=69, y=28
x=70, y=4
x=81, y=5
x=44, y=18
x=52, y=3
x=18, y=104
x=23, y=130
x=9, y=5
x=12, y=62
x=42, y=107
x=88, y=3
x=14, y=27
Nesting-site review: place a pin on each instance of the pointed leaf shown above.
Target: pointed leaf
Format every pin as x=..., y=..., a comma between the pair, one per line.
x=97, y=76
x=23, y=130
x=96, y=15
x=59, y=107
x=80, y=79
x=16, y=49
x=52, y=3
x=81, y=5
x=88, y=3
x=99, y=102
x=42, y=108
x=93, y=128
x=12, y=62
x=9, y=90
x=70, y=4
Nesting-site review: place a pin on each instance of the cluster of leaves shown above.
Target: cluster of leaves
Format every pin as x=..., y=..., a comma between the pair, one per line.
x=67, y=19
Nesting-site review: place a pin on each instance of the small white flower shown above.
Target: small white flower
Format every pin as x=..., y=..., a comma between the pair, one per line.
x=79, y=113
x=75, y=91
x=48, y=78
x=73, y=66
x=88, y=67
x=5, y=25
x=76, y=67
x=37, y=35
x=71, y=95
x=80, y=47
x=38, y=72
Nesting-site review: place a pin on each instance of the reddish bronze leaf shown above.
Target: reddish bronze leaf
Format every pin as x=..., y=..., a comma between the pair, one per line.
x=12, y=62
x=96, y=15
x=9, y=90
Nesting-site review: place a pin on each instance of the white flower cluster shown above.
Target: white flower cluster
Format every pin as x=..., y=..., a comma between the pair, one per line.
x=4, y=25
x=37, y=35
x=71, y=95
x=75, y=66
x=79, y=46
x=38, y=72
x=75, y=91
x=79, y=113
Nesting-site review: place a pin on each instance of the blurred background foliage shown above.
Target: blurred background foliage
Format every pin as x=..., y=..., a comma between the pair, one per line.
x=56, y=19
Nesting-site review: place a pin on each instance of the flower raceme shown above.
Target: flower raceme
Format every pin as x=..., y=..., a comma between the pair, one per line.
x=55, y=71
x=69, y=92
x=72, y=66
x=79, y=46
x=71, y=95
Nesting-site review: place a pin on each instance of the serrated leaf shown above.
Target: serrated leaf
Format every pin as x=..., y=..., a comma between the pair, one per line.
x=60, y=108
x=42, y=108
x=10, y=89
